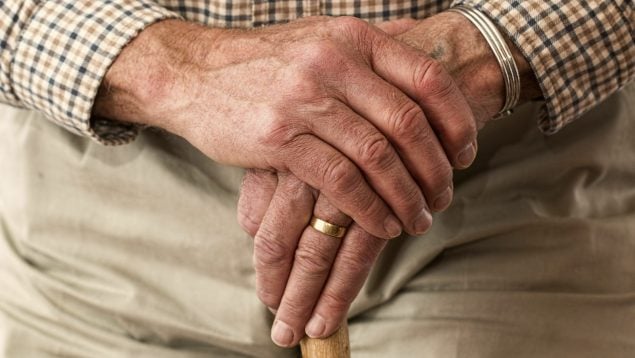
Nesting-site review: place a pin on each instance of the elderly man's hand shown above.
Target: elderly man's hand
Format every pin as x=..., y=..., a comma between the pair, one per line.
x=336, y=102
x=301, y=272
x=310, y=277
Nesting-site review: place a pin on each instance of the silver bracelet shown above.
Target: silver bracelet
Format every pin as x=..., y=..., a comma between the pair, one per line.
x=503, y=55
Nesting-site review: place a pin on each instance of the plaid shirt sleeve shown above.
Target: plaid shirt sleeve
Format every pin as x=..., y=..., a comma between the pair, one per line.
x=580, y=51
x=54, y=54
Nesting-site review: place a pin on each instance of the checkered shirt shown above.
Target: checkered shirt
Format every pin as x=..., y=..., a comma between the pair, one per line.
x=54, y=54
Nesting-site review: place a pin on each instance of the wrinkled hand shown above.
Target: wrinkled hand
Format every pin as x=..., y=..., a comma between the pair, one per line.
x=304, y=274
x=301, y=273
x=310, y=276
x=334, y=101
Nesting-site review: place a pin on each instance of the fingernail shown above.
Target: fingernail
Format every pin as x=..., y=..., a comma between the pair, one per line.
x=443, y=200
x=467, y=155
x=272, y=310
x=281, y=334
x=423, y=222
x=392, y=226
x=316, y=326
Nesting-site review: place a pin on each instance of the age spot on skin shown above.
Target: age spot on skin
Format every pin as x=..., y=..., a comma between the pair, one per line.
x=437, y=52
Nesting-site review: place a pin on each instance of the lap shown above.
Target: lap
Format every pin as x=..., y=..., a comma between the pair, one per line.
x=534, y=258
x=135, y=250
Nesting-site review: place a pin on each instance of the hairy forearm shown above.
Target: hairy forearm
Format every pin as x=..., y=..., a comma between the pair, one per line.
x=144, y=82
x=140, y=87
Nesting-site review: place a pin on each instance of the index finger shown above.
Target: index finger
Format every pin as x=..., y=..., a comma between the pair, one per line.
x=311, y=266
x=428, y=83
x=354, y=260
x=328, y=170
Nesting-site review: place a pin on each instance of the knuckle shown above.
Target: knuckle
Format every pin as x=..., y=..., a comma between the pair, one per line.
x=407, y=121
x=267, y=297
x=317, y=55
x=312, y=262
x=339, y=175
x=357, y=30
x=469, y=125
x=269, y=251
x=336, y=302
x=293, y=190
x=465, y=133
x=254, y=184
x=431, y=78
x=457, y=133
x=377, y=152
x=412, y=200
x=359, y=262
x=296, y=308
x=278, y=130
x=441, y=179
x=350, y=24
x=445, y=173
x=257, y=182
x=248, y=224
x=301, y=81
x=372, y=209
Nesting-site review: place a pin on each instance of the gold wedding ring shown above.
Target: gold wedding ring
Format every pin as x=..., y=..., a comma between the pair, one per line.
x=327, y=228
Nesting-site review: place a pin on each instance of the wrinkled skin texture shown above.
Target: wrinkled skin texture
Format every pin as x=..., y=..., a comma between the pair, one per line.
x=335, y=102
x=306, y=275
x=337, y=117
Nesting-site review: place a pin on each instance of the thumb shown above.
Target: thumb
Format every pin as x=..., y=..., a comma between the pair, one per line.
x=397, y=27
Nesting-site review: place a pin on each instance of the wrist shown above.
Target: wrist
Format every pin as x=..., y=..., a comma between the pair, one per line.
x=147, y=82
x=455, y=42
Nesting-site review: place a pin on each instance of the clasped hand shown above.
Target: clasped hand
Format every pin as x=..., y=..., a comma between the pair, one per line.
x=336, y=118
x=380, y=136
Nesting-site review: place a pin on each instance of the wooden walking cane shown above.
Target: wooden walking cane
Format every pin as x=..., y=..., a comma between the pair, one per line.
x=334, y=346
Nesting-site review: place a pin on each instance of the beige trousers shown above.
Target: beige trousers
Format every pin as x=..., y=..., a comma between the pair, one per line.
x=134, y=251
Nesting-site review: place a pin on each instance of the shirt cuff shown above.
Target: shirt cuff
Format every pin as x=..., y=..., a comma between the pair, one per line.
x=64, y=52
x=579, y=51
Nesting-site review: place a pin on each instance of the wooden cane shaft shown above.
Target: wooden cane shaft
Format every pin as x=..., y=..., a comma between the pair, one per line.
x=334, y=346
